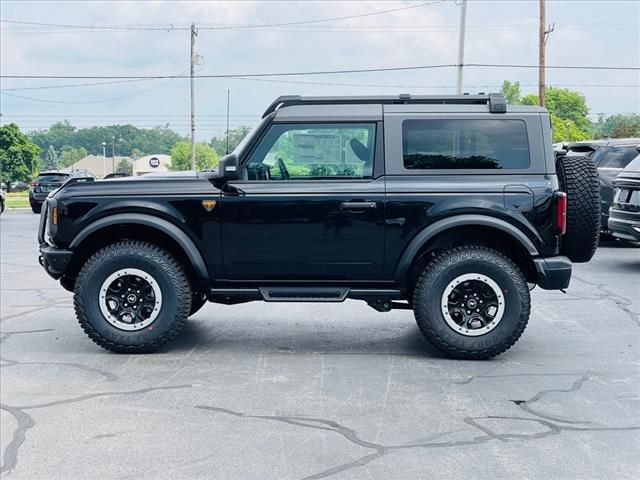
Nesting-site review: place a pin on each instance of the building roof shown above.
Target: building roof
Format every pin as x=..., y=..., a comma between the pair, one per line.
x=97, y=164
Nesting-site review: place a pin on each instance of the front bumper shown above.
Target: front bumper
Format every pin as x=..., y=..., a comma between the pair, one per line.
x=54, y=260
x=553, y=273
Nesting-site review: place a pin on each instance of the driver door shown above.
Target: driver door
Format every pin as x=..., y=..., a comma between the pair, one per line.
x=307, y=206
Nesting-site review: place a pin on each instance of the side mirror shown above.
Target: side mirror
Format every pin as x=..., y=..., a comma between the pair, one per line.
x=228, y=169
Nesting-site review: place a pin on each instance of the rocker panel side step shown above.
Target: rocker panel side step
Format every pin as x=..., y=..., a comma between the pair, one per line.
x=304, y=294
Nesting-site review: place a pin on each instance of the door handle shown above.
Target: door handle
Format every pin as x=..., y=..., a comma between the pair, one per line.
x=358, y=206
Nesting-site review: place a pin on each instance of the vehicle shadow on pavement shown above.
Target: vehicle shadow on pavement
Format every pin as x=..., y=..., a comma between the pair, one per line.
x=613, y=243
x=227, y=336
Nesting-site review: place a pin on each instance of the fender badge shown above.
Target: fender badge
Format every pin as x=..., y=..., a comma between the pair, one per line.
x=209, y=204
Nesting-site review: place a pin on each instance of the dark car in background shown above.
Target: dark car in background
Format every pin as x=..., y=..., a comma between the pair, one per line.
x=46, y=182
x=610, y=157
x=624, y=215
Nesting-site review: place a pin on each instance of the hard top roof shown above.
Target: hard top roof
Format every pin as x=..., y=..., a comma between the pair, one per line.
x=495, y=101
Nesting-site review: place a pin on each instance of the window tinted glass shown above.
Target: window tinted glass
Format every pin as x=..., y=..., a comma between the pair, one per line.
x=55, y=178
x=456, y=144
x=313, y=152
x=618, y=157
x=634, y=166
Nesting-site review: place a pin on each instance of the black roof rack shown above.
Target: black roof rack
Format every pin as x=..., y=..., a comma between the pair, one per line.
x=496, y=101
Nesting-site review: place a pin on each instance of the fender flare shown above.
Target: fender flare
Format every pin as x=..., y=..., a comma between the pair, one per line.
x=435, y=228
x=173, y=231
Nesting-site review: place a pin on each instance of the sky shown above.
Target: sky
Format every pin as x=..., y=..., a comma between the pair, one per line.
x=147, y=38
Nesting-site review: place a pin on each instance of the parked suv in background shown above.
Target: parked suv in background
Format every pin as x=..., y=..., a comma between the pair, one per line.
x=49, y=181
x=610, y=157
x=448, y=206
x=624, y=215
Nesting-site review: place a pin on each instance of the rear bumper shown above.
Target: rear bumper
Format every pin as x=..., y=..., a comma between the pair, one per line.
x=553, y=273
x=37, y=197
x=54, y=260
x=625, y=228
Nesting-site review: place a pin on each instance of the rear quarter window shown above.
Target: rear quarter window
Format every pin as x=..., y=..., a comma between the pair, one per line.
x=445, y=144
x=55, y=178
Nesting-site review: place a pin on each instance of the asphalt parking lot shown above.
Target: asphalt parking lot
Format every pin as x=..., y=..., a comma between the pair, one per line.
x=290, y=391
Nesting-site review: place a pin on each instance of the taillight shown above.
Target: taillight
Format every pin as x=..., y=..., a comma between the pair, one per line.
x=34, y=184
x=561, y=212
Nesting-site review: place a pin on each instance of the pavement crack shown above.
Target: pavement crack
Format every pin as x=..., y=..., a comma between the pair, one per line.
x=551, y=428
x=8, y=362
x=25, y=422
x=621, y=302
x=526, y=405
x=90, y=396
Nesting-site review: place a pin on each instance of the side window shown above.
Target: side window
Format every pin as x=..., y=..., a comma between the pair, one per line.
x=464, y=144
x=618, y=157
x=313, y=152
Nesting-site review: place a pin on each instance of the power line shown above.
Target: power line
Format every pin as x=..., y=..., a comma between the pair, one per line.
x=91, y=84
x=340, y=84
x=327, y=72
x=171, y=27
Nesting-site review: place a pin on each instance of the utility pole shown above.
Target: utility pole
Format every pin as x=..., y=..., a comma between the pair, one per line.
x=543, y=36
x=113, y=154
x=228, y=93
x=104, y=159
x=463, y=27
x=541, y=42
x=194, y=33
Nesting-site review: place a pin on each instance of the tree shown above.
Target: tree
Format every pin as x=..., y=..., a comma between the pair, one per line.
x=51, y=159
x=618, y=126
x=136, y=153
x=236, y=135
x=568, y=109
x=511, y=92
x=19, y=156
x=127, y=138
x=125, y=166
x=565, y=130
x=206, y=157
x=71, y=155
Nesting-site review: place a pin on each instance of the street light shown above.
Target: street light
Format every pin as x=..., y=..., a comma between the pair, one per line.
x=104, y=159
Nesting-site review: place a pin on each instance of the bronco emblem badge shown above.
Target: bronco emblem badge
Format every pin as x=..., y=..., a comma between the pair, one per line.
x=209, y=204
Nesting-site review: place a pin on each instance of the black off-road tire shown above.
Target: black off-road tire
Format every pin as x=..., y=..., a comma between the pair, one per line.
x=171, y=279
x=450, y=265
x=578, y=177
x=198, y=300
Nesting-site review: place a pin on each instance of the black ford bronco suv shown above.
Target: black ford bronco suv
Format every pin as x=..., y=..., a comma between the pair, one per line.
x=451, y=206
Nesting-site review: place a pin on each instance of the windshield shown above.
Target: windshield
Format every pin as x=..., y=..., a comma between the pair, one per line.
x=248, y=137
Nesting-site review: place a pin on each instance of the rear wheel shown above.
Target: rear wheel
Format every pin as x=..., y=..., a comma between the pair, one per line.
x=36, y=207
x=472, y=303
x=578, y=177
x=132, y=297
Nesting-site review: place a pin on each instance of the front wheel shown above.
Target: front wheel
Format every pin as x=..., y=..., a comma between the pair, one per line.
x=472, y=303
x=132, y=297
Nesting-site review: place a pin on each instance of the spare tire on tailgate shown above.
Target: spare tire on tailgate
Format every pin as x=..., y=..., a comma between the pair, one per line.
x=579, y=179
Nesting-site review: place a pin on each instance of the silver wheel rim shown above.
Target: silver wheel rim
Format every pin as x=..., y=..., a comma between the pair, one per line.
x=472, y=304
x=130, y=299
